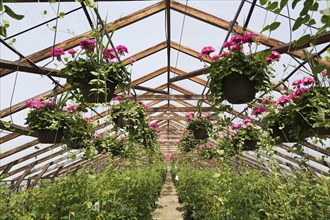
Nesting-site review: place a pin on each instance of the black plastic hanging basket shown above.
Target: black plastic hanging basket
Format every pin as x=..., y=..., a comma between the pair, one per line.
x=121, y=121
x=98, y=98
x=238, y=89
x=201, y=134
x=48, y=136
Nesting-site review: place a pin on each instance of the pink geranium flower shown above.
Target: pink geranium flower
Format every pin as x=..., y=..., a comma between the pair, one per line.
x=72, y=52
x=258, y=111
x=248, y=38
x=72, y=108
x=247, y=121
x=215, y=56
x=283, y=100
x=57, y=52
x=88, y=45
x=308, y=81
x=108, y=53
x=236, y=126
x=122, y=49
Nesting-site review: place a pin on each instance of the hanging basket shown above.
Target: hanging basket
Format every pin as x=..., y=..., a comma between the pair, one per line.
x=201, y=134
x=250, y=145
x=121, y=121
x=72, y=144
x=238, y=89
x=286, y=137
x=321, y=131
x=98, y=98
x=48, y=136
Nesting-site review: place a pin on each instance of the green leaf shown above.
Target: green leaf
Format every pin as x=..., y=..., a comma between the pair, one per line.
x=325, y=11
x=283, y=3
x=297, y=23
x=272, y=6
x=294, y=3
x=302, y=40
x=44, y=12
x=318, y=69
x=3, y=31
x=90, y=3
x=1, y=5
x=263, y=2
x=13, y=14
x=62, y=14
x=274, y=26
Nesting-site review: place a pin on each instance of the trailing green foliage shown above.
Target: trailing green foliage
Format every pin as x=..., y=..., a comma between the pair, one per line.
x=213, y=194
x=115, y=194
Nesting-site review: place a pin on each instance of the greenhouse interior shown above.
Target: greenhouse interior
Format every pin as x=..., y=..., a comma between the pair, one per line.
x=160, y=138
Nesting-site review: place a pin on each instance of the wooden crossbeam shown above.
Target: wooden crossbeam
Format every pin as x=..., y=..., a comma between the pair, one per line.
x=179, y=109
x=26, y=172
x=188, y=51
x=18, y=149
x=115, y=25
x=26, y=67
x=149, y=76
x=39, y=176
x=36, y=162
x=149, y=89
x=8, y=137
x=173, y=97
x=32, y=155
x=16, y=128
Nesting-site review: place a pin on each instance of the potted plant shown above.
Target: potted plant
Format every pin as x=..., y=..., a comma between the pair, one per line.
x=302, y=114
x=188, y=143
x=47, y=118
x=78, y=130
x=235, y=76
x=127, y=113
x=199, y=126
x=239, y=137
x=98, y=74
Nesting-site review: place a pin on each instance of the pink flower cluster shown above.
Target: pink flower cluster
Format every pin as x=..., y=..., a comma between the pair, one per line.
x=247, y=121
x=236, y=42
x=189, y=116
x=144, y=105
x=206, y=51
x=40, y=103
x=88, y=45
x=304, y=81
x=275, y=56
x=57, y=52
x=72, y=108
x=153, y=125
x=258, y=111
x=235, y=127
x=97, y=135
x=172, y=156
x=88, y=120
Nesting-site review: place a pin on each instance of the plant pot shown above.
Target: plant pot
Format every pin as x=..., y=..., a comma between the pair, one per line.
x=285, y=136
x=201, y=134
x=321, y=131
x=121, y=121
x=250, y=145
x=72, y=144
x=48, y=136
x=85, y=88
x=238, y=89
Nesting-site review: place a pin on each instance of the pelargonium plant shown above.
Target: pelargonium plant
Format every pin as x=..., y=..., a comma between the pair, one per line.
x=46, y=114
x=196, y=123
x=303, y=113
x=234, y=62
x=100, y=68
x=238, y=137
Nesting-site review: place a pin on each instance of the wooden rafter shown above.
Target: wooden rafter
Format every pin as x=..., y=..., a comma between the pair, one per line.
x=39, y=176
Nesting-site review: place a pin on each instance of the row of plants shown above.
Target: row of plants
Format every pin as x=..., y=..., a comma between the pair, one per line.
x=128, y=193
x=55, y=121
x=219, y=193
